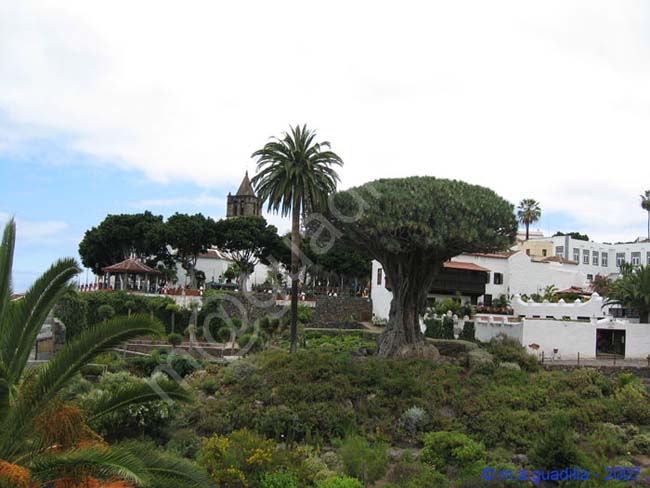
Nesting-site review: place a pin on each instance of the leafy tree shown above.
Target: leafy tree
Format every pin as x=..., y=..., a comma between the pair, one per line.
x=645, y=205
x=600, y=284
x=362, y=460
x=105, y=312
x=44, y=451
x=295, y=174
x=412, y=226
x=246, y=241
x=632, y=290
x=346, y=262
x=190, y=235
x=574, y=235
x=528, y=212
x=119, y=237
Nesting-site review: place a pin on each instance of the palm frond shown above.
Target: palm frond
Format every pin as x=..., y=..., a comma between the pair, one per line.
x=55, y=375
x=168, y=470
x=99, y=462
x=137, y=394
x=29, y=314
x=6, y=265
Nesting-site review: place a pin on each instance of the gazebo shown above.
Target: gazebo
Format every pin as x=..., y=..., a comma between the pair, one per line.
x=131, y=275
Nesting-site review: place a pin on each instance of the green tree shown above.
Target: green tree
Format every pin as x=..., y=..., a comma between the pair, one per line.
x=632, y=290
x=119, y=237
x=105, y=312
x=190, y=235
x=528, y=212
x=47, y=451
x=412, y=226
x=173, y=309
x=574, y=235
x=645, y=205
x=295, y=175
x=246, y=241
x=362, y=460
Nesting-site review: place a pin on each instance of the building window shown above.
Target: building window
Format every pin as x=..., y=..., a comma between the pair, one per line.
x=604, y=257
x=620, y=259
x=544, y=253
x=576, y=255
x=594, y=258
x=379, y=272
x=559, y=251
x=585, y=256
x=590, y=277
x=498, y=278
x=636, y=258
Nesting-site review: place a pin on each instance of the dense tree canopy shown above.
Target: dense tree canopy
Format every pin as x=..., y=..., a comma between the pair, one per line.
x=118, y=237
x=190, y=235
x=247, y=241
x=411, y=226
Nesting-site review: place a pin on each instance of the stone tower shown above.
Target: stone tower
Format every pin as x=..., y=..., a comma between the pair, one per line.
x=244, y=202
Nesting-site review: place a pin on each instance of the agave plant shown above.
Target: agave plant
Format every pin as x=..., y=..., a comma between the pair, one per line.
x=43, y=441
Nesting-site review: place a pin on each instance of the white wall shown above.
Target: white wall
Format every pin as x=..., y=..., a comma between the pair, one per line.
x=593, y=308
x=571, y=338
x=485, y=330
x=380, y=296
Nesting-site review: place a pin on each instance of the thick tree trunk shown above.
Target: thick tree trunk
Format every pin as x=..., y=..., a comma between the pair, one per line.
x=527, y=227
x=243, y=281
x=295, y=272
x=403, y=336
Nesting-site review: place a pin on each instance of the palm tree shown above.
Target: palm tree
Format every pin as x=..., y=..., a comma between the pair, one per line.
x=645, y=205
x=632, y=290
x=528, y=212
x=42, y=439
x=295, y=174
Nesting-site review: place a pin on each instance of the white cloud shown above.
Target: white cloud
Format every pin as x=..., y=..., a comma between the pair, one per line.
x=534, y=99
x=35, y=232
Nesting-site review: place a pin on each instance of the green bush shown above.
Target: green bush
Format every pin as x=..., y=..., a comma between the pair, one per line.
x=363, y=460
x=507, y=349
x=416, y=475
x=449, y=448
x=640, y=444
x=433, y=328
x=105, y=312
x=72, y=310
x=281, y=479
x=175, y=339
x=339, y=482
x=447, y=328
x=469, y=331
x=250, y=342
x=556, y=447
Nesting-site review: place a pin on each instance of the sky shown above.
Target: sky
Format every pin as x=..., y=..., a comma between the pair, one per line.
x=122, y=106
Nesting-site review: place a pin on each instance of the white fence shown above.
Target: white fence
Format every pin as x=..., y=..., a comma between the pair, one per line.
x=593, y=308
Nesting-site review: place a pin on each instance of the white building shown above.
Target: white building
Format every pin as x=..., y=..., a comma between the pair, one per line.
x=214, y=264
x=595, y=258
x=508, y=274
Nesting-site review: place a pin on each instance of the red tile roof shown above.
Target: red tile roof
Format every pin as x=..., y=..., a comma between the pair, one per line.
x=130, y=266
x=495, y=255
x=467, y=266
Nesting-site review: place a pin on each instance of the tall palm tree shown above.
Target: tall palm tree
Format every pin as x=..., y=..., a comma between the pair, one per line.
x=295, y=174
x=645, y=205
x=528, y=212
x=42, y=439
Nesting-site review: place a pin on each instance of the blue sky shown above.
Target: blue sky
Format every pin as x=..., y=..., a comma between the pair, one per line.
x=123, y=106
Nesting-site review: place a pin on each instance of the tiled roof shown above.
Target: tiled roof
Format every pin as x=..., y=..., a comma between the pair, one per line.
x=557, y=259
x=466, y=266
x=494, y=255
x=130, y=266
x=573, y=290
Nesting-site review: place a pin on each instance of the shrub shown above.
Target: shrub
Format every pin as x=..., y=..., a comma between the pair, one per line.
x=448, y=328
x=445, y=448
x=339, y=482
x=72, y=310
x=480, y=358
x=433, y=328
x=507, y=349
x=282, y=424
x=510, y=366
x=105, y=312
x=469, y=331
x=413, y=421
x=175, y=339
x=305, y=314
x=281, y=479
x=182, y=364
x=150, y=419
x=640, y=444
x=445, y=305
x=635, y=405
x=250, y=342
x=362, y=460
x=416, y=475
x=556, y=446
